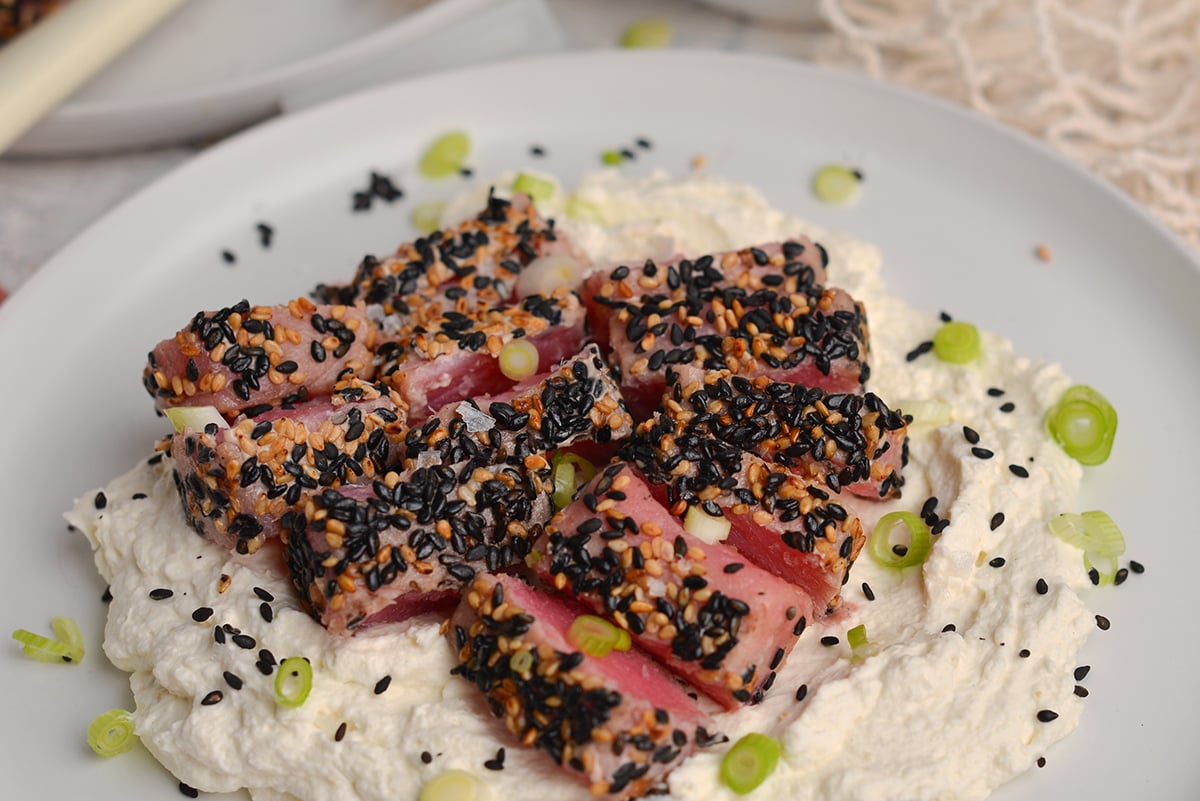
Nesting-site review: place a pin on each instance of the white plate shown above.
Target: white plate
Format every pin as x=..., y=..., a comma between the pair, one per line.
x=215, y=65
x=957, y=204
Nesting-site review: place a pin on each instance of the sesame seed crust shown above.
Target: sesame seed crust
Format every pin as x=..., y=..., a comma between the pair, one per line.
x=617, y=736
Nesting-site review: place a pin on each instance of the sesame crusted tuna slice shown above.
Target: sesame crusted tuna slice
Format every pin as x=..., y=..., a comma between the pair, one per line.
x=451, y=356
x=459, y=268
x=781, y=522
x=411, y=537
x=618, y=723
x=244, y=356
x=236, y=482
x=578, y=401
x=847, y=441
x=699, y=608
x=786, y=266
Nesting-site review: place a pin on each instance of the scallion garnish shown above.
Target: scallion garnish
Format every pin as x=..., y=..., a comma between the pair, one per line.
x=595, y=636
x=881, y=540
x=521, y=661
x=44, y=649
x=1097, y=535
x=445, y=156
x=196, y=418
x=519, y=360
x=545, y=274
x=112, y=733
x=578, y=208
x=957, y=342
x=703, y=526
x=1084, y=423
x=293, y=681
x=537, y=188
x=452, y=785
x=427, y=216
x=860, y=648
x=612, y=157
x=751, y=760
x=932, y=412
x=647, y=33
x=569, y=472
x=836, y=184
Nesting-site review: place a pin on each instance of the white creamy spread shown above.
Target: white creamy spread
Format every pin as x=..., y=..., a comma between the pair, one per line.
x=935, y=713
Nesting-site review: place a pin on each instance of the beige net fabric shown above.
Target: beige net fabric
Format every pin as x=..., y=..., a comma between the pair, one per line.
x=1113, y=84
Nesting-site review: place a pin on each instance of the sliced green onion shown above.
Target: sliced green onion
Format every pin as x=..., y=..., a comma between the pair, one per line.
x=927, y=412
x=44, y=649
x=703, y=526
x=647, y=33
x=860, y=648
x=537, y=188
x=1084, y=423
x=521, y=661
x=957, y=342
x=293, y=681
x=595, y=636
x=1105, y=565
x=427, y=216
x=533, y=557
x=196, y=418
x=881, y=540
x=836, y=184
x=545, y=274
x=67, y=631
x=1091, y=531
x=579, y=209
x=445, y=156
x=452, y=785
x=519, y=360
x=751, y=760
x=569, y=472
x=112, y=733
x=612, y=157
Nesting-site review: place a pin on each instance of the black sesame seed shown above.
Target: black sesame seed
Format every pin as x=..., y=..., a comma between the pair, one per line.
x=161, y=594
x=1047, y=715
x=1081, y=691
x=997, y=521
x=1008, y=407
x=202, y=614
x=1103, y=623
x=868, y=592
x=1137, y=567
x=107, y=596
x=243, y=641
x=949, y=627
x=1041, y=762
x=265, y=234
x=233, y=680
x=1094, y=577
x=138, y=496
x=497, y=763
x=1018, y=471
x=188, y=790
x=340, y=734
x=1042, y=587
x=997, y=562
x=1023, y=653
x=802, y=692
x=1121, y=576
x=213, y=697
x=643, y=143
x=426, y=757
x=995, y=392
x=970, y=435
x=733, y=567
x=228, y=256
x=537, y=150
x=982, y=453
x=918, y=351
x=1082, y=671
x=829, y=640
x=264, y=609
x=101, y=500
x=382, y=685
x=264, y=594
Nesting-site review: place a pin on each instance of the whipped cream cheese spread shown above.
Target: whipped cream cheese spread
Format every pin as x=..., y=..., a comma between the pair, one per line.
x=965, y=652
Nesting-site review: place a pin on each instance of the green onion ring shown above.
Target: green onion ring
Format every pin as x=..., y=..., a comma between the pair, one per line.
x=112, y=733
x=880, y=543
x=293, y=681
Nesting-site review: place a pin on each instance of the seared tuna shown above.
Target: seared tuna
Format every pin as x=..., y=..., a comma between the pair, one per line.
x=409, y=537
x=244, y=356
x=699, y=608
x=761, y=321
x=577, y=402
x=847, y=441
x=781, y=522
x=236, y=482
x=442, y=357
x=459, y=269
x=618, y=722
